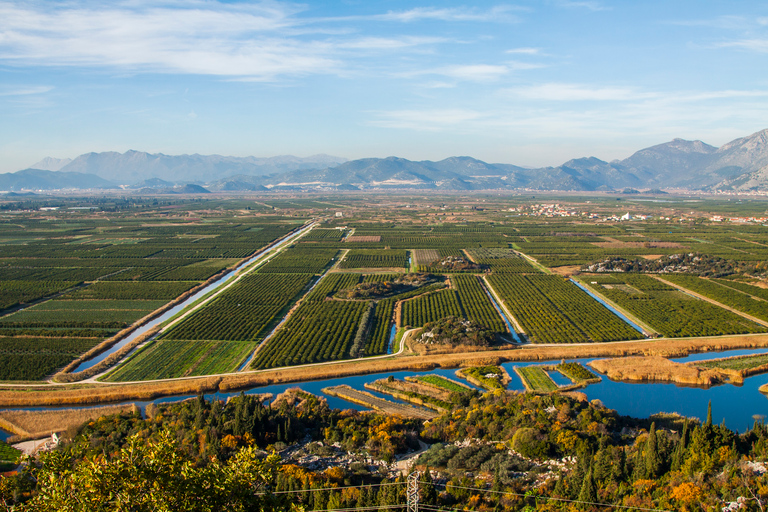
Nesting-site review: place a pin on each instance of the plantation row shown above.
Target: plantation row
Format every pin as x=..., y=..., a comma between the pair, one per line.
x=535, y=378
x=36, y=358
x=552, y=310
x=374, y=259
x=670, y=312
x=326, y=235
x=244, y=311
x=503, y=261
x=744, y=287
x=131, y=291
x=476, y=304
x=317, y=331
x=431, y=307
x=165, y=359
x=299, y=260
x=380, y=329
x=722, y=294
x=331, y=283
x=105, y=314
x=13, y=293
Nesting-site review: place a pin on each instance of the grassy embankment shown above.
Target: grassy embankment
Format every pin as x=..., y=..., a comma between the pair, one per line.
x=368, y=400
x=413, y=392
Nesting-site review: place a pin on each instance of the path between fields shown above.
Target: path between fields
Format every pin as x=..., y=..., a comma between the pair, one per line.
x=712, y=301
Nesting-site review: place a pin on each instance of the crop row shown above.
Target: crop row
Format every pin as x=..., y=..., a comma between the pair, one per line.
x=375, y=259
x=315, y=332
x=536, y=379
x=244, y=311
x=553, y=310
x=575, y=371
x=13, y=293
x=673, y=313
x=164, y=359
x=132, y=290
x=443, y=383
x=431, y=307
x=744, y=287
x=82, y=313
x=728, y=296
x=476, y=304
x=35, y=358
x=380, y=329
x=331, y=283
x=299, y=260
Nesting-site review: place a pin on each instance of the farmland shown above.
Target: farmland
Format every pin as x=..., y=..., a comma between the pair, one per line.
x=670, y=311
x=70, y=280
x=535, y=378
x=552, y=310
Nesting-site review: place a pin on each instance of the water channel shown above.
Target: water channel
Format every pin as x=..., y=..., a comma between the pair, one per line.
x=191, y=300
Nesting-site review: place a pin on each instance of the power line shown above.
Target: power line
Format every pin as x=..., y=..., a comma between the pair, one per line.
x=331, y=488
x=551, y=498
x=380, y=507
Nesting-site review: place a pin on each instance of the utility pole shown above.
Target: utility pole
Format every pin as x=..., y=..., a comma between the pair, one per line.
x=413, y=492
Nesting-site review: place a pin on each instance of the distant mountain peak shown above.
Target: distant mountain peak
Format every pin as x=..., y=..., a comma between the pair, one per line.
x=50, y=164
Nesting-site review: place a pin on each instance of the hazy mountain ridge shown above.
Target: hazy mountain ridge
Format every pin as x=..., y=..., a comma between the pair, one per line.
x=134, y=166
x=740, y=165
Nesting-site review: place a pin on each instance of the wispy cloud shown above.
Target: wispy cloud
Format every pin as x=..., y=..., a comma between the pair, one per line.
x=501, y=13
x=590, y=5
x=254, y=41
x=524, y=51
x=26, y=91
x=755, y=45
x=575, y=92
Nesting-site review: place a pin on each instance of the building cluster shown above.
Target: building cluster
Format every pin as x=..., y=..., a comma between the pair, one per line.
x=743, y=220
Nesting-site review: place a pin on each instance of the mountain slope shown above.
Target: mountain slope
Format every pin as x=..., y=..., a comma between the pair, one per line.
x=38, y=179
x=135, y=166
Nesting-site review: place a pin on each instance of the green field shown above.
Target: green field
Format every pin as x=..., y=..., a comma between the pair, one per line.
x=536, y=378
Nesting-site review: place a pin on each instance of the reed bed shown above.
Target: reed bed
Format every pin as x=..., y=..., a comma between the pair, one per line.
x=659, y=369
x=37, y=424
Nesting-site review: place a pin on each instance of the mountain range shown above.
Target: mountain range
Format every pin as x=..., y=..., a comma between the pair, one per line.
x=740, y=165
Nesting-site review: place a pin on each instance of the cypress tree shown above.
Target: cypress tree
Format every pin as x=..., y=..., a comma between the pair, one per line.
x=653, y=460
x=709, y=414
x=588, y=492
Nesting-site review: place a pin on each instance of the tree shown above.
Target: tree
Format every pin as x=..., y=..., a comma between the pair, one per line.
x=153, y=476
x=588, y=492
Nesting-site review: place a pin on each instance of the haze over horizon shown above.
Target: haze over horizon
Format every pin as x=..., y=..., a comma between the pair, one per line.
x=530, y=83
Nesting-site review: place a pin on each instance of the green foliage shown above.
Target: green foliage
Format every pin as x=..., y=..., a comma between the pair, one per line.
x=575, y=371
x=671, y=312
x=431, y=307
x=315, y=332
x=553, y=310
x=536, y=379
x=360, y=258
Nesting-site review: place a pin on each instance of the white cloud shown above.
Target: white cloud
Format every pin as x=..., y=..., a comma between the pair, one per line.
x=26, y=91
x=498, y=13
x=524, y=51
x=755, y=45
x=575, y=92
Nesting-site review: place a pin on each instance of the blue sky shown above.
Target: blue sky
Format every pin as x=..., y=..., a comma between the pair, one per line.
x=531, y=83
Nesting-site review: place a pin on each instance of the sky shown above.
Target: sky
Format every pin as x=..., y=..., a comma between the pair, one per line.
x=531, y=83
